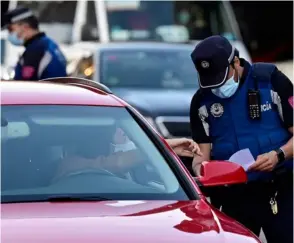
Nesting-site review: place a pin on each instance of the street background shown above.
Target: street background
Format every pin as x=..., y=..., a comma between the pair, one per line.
x=266, y=27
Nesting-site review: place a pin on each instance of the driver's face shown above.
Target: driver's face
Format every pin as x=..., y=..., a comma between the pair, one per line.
x=91, y=156
x=119, y=137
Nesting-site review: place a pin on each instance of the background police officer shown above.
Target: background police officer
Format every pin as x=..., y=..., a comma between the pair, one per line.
x=42, y=57
x=240, y=106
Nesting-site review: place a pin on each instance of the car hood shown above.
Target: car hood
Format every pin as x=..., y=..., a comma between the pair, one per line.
x=123, y=221
x=158, y=102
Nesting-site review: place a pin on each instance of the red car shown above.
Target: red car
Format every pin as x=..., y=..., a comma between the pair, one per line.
x=81, y=165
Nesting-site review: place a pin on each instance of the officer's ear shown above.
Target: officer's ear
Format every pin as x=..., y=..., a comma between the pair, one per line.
x=236, y=63
x=26, y=25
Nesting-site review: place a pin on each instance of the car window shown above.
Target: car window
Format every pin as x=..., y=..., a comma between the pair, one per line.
x=65, y=150
x=154, y=69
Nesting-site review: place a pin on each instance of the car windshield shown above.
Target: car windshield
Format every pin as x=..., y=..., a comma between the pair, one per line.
x=51, y=151
x=148, y=68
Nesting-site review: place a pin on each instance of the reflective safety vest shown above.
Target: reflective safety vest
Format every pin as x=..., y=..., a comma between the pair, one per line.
x=231, y=129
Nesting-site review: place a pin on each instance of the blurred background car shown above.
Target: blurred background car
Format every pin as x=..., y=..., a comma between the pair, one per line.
x=158, y=79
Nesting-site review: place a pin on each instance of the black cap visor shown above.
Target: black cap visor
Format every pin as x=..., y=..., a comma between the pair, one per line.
x=212, y=80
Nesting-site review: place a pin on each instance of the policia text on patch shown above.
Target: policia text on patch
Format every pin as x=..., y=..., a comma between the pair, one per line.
x=240, y=106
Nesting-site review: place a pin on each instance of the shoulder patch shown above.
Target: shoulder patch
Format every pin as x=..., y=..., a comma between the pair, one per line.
x=217, y=110
x=27, y=72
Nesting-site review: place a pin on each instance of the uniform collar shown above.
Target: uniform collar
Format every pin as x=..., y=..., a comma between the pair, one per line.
x=246, y=65
x=35, y=37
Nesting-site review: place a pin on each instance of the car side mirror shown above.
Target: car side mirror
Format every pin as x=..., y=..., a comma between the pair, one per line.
x=220, y=173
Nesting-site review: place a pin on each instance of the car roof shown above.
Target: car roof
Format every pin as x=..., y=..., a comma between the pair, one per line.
x=45, y=93
x=146, y=45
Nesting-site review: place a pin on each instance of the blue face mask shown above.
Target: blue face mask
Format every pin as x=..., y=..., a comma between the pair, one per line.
x=14, y=40
x=228, y=89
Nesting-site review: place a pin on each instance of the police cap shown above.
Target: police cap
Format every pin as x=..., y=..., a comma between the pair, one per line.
x=212, y=58
x=16, y=15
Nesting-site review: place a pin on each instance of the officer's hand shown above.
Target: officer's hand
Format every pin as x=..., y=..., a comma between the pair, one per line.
x=265, y=162
x=184, y=147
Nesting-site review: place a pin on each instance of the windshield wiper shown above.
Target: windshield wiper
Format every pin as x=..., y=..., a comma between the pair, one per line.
x=52, y=198
x=70, y=198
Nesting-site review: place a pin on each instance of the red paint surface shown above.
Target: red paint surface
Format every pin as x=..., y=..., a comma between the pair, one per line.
x=19, y=92
x=115, y=221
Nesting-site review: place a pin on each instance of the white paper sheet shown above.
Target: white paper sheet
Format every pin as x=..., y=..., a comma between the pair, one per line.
x=243, y=157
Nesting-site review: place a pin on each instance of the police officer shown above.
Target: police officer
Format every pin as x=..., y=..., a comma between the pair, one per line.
x=241, y=106
x=42, y=57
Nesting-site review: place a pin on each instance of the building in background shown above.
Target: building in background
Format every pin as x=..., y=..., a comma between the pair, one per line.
x=267, y=29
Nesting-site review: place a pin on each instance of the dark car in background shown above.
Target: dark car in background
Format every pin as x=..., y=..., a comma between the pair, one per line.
x=158, y=79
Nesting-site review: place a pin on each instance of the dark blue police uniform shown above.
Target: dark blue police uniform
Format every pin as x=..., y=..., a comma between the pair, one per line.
x=226, y=124
x=42, y=59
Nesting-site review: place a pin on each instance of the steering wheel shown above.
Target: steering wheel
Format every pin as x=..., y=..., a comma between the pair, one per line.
x=86, y=171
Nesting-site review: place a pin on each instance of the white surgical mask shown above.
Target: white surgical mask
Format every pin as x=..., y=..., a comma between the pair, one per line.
x=228, y=89
x=124, y=147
